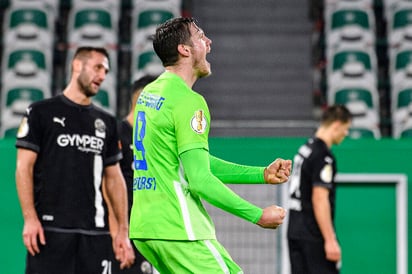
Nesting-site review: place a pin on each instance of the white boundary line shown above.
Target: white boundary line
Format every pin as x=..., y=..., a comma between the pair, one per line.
x=401, y=185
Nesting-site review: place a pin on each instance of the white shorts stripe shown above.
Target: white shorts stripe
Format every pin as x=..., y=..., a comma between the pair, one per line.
x=217, y=256
x=185, y=211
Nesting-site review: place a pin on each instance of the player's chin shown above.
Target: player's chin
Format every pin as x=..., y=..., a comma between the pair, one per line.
x=205, y=73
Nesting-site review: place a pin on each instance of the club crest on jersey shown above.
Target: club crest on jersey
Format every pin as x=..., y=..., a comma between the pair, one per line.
x=326, y=173
x=100, y=128
x=198, y=122
x=23, y=128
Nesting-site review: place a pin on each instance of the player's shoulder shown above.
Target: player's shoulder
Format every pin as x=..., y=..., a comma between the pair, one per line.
x=319, y=148
x=45, y=106
x=123, y=126
x=102, y=113
x=47, y=101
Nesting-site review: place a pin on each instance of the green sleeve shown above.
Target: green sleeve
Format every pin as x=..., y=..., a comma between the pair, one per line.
x=231, y=173
x=208, y=187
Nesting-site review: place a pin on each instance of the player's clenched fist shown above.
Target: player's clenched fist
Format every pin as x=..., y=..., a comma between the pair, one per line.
x=272, y=217
x=278, y=171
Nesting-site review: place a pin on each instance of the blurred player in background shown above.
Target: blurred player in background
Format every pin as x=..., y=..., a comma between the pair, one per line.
x=65, y=145
x=141, y=265
x=174, y=170
x=313, y=246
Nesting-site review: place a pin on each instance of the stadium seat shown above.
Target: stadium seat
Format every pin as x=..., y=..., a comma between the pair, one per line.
x=350, y=28
x=29, y=25
x=14, y=103
x=346, y=95
x=401, y=105
x=8, y=132
x=406, y=133
x=10, y=121
x=147, y=15
x=404, y=128
x=363, y=116
x=399, y=25
x=19, y=98
x=51, y=5
x=146, y=62
x=402, y=98
x=358, y=133
x=362, y=128
x=92, y=25
x=400, y=70
x=352, y=68
x=30, y=67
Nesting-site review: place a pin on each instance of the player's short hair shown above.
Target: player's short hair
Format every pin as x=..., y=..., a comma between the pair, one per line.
x=83, y=53
x=169, y=35
x=336, y=113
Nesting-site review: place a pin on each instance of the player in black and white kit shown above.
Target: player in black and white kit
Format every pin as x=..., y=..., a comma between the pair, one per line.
x=313, y=247
x=65, y=145
x=125, y=129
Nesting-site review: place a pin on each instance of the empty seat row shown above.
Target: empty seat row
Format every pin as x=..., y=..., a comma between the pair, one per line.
x=352, y=66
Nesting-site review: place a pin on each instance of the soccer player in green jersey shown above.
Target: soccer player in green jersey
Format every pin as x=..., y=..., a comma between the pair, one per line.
x=174, y=170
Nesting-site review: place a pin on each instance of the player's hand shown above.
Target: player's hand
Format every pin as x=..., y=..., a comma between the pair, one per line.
x=278, y=171
x=272, y=217
x=123, y=251
x=33, y=234
x=332, y=251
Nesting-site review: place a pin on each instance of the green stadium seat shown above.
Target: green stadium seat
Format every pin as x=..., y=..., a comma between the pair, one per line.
x=147, y=15
x=92, y=17
x=23, y=94
x=342, y=58
x=10, y=132
x=32, y=24
x=95, y=26
x=102, y=98
x=404, y=98
x=352, y=68
x=147, y=62
x=27, y=61
x=345, y=95
x=407, y=133
x=153, y=17
x=350, y=27
x=358, y=133
x=27, y=67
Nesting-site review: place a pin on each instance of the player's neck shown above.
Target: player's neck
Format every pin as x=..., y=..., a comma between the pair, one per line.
x=184, y=72
x=73, y=94
x=324, y=134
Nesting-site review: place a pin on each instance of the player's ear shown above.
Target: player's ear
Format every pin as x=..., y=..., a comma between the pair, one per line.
x=76, y=65
x=183, y=50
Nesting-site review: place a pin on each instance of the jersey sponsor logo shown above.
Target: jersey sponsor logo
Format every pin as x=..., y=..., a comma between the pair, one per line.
x=326, y=173
x=143, y=182
x=84, y=143
x=295, y=204
x=59, y=121
x=23, y=128
x=198, y=122
x=151, y=100
x=47, y=218
x=100, y=127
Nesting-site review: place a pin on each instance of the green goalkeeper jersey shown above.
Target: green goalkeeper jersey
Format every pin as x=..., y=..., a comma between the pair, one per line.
x=170, y=119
